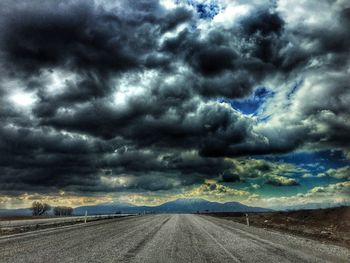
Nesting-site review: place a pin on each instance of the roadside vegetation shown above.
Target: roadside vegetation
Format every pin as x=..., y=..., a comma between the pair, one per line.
x=328, y=225
x=39, y=208
x=42, y=209
x=63, y=211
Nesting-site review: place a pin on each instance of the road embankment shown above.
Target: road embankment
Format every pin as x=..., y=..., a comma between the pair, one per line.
x=330, y=225
x=8, y=227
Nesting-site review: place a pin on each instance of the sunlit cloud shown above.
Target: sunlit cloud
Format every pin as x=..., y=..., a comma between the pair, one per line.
x=23, y=99
x=59, y=199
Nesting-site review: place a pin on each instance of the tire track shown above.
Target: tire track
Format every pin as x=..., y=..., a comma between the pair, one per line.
x=132, y=253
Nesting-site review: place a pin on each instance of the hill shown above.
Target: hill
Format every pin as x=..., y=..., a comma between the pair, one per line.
x=184, y=205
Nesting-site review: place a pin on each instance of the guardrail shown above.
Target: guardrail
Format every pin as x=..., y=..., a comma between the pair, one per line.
x=44, y=221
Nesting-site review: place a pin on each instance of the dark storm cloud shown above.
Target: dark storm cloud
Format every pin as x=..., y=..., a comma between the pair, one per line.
x=85, y=38
x=42, y=159
x=223, y=58
x=229, y=177
x=277, y=181
x=262, y=22
x=231, y=62
x=77, y=57
x=213, y=62
x=47, y=35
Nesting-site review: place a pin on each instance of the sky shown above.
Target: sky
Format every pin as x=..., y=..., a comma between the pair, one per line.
x=152, y=100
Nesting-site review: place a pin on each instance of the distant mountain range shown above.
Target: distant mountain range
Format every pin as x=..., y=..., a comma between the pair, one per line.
x=184, y=205
x=15, y=212
x=314, y=206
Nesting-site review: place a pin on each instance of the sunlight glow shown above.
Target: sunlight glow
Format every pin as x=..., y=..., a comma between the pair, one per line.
x=23, y=99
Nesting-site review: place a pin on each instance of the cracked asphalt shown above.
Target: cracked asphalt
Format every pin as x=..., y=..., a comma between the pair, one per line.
x=165, y=238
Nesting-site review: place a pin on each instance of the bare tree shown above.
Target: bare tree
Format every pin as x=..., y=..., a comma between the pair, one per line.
x=63, y=211
x=39, y=208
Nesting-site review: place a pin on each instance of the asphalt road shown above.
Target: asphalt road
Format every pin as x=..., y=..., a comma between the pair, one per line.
x=165, y=238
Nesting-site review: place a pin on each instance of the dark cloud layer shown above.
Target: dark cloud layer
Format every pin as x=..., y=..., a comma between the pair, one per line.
x=131, y=89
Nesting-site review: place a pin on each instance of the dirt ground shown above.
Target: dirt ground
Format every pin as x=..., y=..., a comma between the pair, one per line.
x=330, y=225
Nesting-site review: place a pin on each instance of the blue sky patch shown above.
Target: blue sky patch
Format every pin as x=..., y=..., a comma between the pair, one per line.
x=253, y=104
x=205, y=9
x=313, y=161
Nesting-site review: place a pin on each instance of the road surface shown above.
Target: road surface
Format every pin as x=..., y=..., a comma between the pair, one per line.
x=165, y=238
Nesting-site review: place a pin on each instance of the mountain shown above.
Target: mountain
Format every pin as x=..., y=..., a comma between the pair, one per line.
x=183, y=205
x=110, y=208
x=15, y=212
x=313, y=206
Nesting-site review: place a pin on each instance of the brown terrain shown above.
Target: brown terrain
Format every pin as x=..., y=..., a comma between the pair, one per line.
x=331, y=225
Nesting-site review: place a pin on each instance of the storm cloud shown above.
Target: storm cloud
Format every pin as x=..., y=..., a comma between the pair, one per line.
x=104, y=96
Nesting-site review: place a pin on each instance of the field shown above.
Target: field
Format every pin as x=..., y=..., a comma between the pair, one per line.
x=330, y=225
